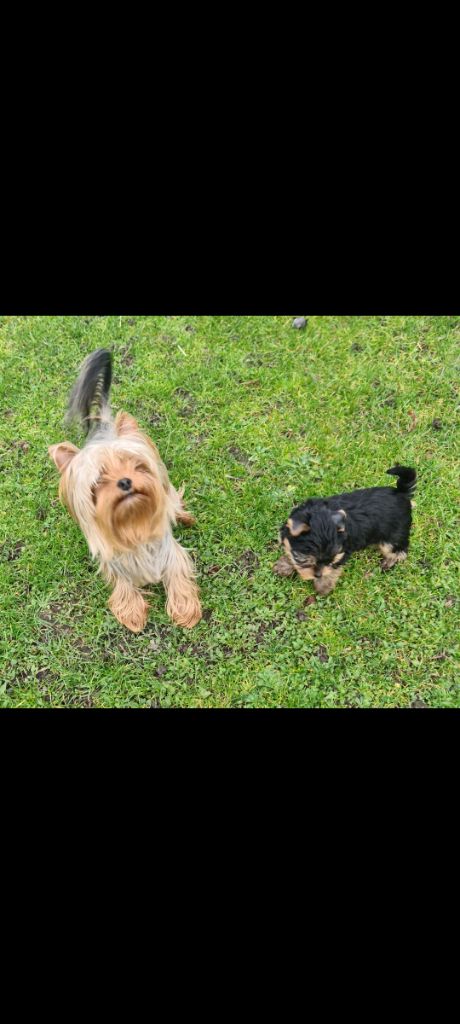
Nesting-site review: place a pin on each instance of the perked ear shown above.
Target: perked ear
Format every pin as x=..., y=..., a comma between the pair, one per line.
x=62, y=454
x=125, y=424
x=297, y=526
x=339, y=519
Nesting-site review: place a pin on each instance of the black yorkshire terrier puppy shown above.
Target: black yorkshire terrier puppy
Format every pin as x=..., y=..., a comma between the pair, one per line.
x=321, y=534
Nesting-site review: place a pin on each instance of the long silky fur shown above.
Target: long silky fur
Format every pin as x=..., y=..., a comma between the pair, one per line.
x=127, y=562
x=89, y=399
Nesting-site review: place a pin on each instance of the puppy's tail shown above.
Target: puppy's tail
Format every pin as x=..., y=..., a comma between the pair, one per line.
x=89, y=398
x=407, y=479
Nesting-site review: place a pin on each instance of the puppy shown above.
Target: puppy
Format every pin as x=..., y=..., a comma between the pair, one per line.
x=117, y=489
x=321, y=534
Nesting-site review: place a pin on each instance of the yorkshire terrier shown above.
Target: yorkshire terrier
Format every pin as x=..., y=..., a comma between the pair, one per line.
x=117, y=489
x=321, y=534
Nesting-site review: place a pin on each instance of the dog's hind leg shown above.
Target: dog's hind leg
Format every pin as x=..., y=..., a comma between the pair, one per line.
x=180, y=511
x=391, y=556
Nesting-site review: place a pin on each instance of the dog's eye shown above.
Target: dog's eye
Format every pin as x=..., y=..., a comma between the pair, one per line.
x=141, y=468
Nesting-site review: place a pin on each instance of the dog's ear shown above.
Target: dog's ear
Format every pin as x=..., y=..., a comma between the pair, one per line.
x=62, y=454
x=298, y=526
x=339, y=519
x=125, y=424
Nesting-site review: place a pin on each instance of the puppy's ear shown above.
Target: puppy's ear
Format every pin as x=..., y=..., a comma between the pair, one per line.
x=125, y=424
x=339, y=519
x=62, y=454
x=297, y=526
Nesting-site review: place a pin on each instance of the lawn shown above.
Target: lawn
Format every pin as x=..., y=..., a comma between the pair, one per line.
x=254, y=416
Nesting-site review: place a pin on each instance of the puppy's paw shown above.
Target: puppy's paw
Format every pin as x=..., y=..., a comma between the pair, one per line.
x=283, y=567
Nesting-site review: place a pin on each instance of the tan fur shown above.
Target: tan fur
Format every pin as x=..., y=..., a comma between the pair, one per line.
x=326, y=583
x=128, y=606
x=391, y=557
x=296, y=528
x=284, y=566
x=129, y=534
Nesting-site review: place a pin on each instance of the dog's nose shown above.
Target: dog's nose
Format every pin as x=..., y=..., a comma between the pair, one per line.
x=125, y=484
x=318, y=573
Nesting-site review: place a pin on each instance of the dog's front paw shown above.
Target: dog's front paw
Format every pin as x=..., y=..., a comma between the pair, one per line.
x=324, y=587
x=189, y=617
x=185, y=612
x=283, y=567
x=129, y=607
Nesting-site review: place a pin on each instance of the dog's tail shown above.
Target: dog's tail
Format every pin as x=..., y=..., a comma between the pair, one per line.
x=407, y=479
x=89, y=398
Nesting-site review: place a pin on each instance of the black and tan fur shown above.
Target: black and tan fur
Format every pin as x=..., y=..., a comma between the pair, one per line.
x=322, y=533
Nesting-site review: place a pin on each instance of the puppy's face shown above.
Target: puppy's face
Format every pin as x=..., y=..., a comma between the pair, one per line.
x=314, y=541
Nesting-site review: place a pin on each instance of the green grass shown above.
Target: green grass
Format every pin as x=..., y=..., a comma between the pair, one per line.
x=254, y=416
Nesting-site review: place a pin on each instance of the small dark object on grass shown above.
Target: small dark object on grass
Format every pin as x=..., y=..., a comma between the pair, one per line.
x=437, y=424
x=418, y=703
x=301, y=616
x=310, y=600
x=299, y=322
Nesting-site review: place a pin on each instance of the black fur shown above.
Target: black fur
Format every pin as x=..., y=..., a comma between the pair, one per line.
x=90, y=393
x=374, y=515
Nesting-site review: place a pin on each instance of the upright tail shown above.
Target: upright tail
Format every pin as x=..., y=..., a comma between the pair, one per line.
x=89, y=398
x=407, y=479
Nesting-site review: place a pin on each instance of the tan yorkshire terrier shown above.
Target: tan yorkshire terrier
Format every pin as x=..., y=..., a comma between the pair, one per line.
x=117, y=489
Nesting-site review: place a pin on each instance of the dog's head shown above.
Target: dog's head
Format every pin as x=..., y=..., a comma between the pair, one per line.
x=313, y=538
x=115, y=487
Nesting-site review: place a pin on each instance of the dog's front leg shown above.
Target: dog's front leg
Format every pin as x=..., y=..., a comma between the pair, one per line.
x=183, y=601
x=326, y=583
x=128, y=606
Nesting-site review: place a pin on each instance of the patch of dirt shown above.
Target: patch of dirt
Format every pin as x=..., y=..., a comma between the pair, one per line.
x=301, y=616
x=41, y=514
x=190, y=329
x=207, y=614
x=263, y=629
x=189, y=404
x=418, y=703
x=161, y=671
x=356, y=347
x=10, y=551
x=247, y=563
x=310, y=601
x=195, y=650
x=155, y=419
x=125, y=358
x=212, y=570
x=322, y=654
x=84, y=653
x=48, y=617
x=390, y=401
x=437, y=424
x=239, y=455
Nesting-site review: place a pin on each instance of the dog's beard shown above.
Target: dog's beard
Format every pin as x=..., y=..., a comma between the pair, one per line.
x=114, y=521
x=136, y=518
